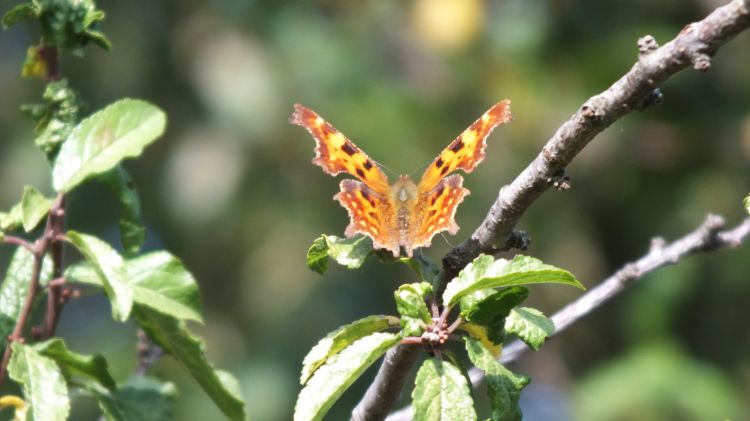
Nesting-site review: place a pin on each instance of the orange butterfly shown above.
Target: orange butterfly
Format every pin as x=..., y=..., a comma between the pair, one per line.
x=404, y=213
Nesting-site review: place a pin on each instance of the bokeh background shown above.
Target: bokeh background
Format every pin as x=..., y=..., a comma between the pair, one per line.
x=230, y=188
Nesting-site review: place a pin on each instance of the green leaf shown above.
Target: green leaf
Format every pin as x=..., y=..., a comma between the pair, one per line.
x=15, y=287
x=58, y=115
x=103, y=140
x=441, y=393
x=486, y=272
x=340, y=339
x=141, y=399
x=75, y=364
x=489, y=308
x=747, y=203
x=110, y=269
x=157, y=280
x=20, y=13
x=174, y=338
x=425, y=267
x=338, y=373
x=42, y=382
x=132, y=231
x=480, y=333
x=34, y=207
x=503, y=386
x=349, y=252
x=530, y=325
x=410, y=303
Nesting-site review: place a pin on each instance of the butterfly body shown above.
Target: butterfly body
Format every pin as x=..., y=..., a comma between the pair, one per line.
x=403, y=214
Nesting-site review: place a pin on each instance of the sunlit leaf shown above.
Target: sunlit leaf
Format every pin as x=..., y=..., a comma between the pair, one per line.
x=503, y=386
x=441, y=393
x=109, y=267
x=34, y=207
x=349, y=252
x=173, y=337
x=15, y=287
x=75, y=364
x=340, y=339
x=338, y=373
x=480, y=333
x=157, y=280
x=747, y=203
x=486, y=272
x=101, y=141
x=410, y=303
x=42, y=382
x=530, y=325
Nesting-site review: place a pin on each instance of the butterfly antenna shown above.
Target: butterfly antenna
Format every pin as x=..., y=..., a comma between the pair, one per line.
x=420, y=168
x=388, y=170
x=447, y=240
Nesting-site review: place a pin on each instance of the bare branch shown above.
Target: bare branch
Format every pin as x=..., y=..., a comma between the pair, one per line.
x=636, y=90
x=707, y=237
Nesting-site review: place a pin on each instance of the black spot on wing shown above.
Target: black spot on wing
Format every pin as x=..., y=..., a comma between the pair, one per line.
x=439, y=163
x=360, y=172
x=368, y=165
x=348, y=148
x=458, y=145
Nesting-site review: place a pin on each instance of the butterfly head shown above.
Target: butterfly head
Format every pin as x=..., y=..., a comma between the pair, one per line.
x=404, y=190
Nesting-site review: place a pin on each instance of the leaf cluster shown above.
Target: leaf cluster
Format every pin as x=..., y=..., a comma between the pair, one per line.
x=487, y=294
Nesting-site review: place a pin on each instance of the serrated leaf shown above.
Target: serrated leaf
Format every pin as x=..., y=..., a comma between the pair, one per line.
x=349, y=252
x=75, y=364
x=174, y=338
x=317, y=255
x=441, y=393
x=486, y=272
x=410, y=303
x=157, y=280
x=14, y=289
x=503, y=386
x=340, y=339
x=530, y=325
x=103, y=140
x=338, y=373
x=140, y=399
x=489, y=308
x=34, y=207
x=109, y=267
x=42, y=383
x=19, y=13
x=132, y=231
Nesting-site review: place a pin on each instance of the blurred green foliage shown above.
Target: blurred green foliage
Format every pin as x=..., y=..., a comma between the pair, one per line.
x=231, y=190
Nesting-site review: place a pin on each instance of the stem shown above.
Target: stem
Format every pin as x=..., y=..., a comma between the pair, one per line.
x=55, y=299
x=10, y=239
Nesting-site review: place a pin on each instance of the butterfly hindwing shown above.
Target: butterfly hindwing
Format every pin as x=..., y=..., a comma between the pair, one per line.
x=336, y=154
x=436, y=210
x=369, y=213
x=467, y=150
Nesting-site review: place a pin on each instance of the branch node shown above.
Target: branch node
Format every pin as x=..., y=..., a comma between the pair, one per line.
x=519, y=239
x=559, y=181
x=701, y=62
x=647, y=44
x=657, y=244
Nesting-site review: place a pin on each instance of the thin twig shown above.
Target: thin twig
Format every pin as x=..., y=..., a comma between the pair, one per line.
x=707, y=237
x=636, y=90
x=55, y=298
x=11, y=239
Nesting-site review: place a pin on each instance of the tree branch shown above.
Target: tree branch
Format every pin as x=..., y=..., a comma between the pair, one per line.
x=707, y=237
x=636, y=90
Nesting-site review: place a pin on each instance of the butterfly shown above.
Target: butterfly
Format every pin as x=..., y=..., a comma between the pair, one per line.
x=403, y=214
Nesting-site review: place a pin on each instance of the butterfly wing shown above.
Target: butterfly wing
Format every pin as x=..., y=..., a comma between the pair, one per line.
x=439, y=195
x=370, y=214
x=336, y=154
x=467, y=150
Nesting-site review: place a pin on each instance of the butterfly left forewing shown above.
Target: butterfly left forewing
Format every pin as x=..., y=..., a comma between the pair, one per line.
x=467, y=150
x=336, y=154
